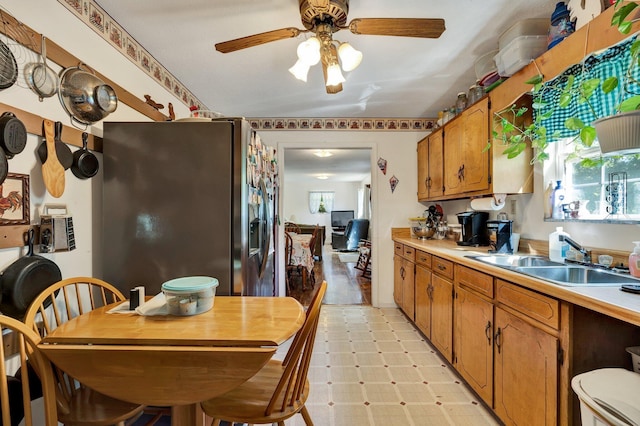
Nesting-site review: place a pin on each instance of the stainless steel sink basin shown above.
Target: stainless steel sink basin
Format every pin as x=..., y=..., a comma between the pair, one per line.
x=555, y=272
x=577, y=276
x=513, y=261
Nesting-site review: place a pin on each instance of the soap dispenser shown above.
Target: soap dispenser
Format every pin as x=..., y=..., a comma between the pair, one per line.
x=634, y=260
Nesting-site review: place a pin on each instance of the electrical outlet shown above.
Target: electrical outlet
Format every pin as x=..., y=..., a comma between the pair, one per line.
x=513, y=207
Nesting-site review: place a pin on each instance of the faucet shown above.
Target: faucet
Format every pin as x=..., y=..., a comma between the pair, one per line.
x=586, y=254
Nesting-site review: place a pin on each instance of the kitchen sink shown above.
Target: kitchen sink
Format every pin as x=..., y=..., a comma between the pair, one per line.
x=555, y=272
x=577, y=276
x=514, y=261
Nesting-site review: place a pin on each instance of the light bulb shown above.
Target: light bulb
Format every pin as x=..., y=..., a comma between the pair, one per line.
x=334, y=75
x=300, y=70
x=309, y=51
x=350, y=58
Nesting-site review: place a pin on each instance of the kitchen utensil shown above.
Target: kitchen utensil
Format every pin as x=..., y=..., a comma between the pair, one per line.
x=8, y=67
x=4, y=166
x=84, y=96
x=65, y=156
x=13, y=134
x=85, y=163
x=24, y=279
x=52, y=170
x=40, y=78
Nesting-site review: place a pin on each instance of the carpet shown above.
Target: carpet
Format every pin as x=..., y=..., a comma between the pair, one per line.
x=349, y=257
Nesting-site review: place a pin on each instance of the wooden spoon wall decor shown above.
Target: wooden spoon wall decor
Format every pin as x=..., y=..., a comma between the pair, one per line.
x=52, y=170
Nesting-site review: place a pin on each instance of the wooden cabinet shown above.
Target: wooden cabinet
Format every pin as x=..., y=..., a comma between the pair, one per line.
x=404, y=280
x=423, y=293
x=442, y=306
x=474, y=331
x=505, y=349
x=466, y=162
x=526, y=372
x=455, y=162
x=430, y=167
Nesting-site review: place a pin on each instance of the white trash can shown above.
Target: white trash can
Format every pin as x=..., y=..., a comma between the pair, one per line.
x=609, y=396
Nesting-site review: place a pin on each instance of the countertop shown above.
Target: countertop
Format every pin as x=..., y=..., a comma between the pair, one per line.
x=609, y=301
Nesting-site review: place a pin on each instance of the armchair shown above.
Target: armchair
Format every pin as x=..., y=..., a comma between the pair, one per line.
x=356, y=230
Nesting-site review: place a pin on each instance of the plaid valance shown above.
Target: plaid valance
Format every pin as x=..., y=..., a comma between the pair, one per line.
x=614, y=61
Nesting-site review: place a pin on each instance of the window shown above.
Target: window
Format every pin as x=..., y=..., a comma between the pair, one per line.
x=320, y=202
x=605, y=188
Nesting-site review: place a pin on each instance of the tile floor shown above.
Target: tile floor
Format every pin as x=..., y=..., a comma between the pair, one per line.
x=372, y=367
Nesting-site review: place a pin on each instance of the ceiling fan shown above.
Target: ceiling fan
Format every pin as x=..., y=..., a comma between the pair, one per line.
x=324, y=18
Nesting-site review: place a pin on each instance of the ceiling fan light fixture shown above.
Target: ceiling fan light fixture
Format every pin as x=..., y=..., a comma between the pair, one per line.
x=309, y=51
x=300, y=70
x=350, y=58
x=334, y=75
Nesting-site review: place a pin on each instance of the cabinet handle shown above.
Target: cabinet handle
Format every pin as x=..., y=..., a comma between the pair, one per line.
x=441, y=267
x=487, y=332
x=497, y=339
x=430, y=291
x=461, y=173
x=402, y=272
x=428, y=182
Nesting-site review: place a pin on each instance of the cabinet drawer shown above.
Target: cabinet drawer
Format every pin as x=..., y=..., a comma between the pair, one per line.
x=535, y=305
x=398, y=248
x=423, y=259
x=475, y=280
x=409, y=253
x=442, y=267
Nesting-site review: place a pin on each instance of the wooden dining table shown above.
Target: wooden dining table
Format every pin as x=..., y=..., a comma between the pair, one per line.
x=174, y=361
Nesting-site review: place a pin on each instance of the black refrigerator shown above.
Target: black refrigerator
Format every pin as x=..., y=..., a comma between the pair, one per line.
x=189, y=197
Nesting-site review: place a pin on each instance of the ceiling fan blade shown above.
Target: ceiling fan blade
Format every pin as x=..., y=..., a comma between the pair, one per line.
x=257, y=39
x=403, y=27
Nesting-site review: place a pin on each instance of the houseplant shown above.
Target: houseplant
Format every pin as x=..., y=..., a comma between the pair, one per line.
x=577, y=87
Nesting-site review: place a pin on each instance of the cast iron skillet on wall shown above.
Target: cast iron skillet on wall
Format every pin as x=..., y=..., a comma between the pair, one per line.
x=24, y=279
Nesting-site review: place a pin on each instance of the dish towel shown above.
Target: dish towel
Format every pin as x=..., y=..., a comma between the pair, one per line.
x=155, y=306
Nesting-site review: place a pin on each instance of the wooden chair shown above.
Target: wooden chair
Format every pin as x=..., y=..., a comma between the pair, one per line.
x=312, y=245
x=292, y=227
x=17, y=394
x=364, y=259
x=280, y=389
x=78, y=404
x=288, y=247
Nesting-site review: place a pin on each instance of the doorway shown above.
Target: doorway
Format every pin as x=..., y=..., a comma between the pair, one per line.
x=341, y=179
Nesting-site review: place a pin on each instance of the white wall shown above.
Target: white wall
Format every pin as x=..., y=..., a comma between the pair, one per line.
x=296, y=202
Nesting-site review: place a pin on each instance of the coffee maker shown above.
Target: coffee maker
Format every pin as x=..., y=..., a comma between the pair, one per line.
x=500, y=236
x=474, y=228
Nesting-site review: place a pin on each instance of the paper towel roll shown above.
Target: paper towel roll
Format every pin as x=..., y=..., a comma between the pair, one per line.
x=486, y=204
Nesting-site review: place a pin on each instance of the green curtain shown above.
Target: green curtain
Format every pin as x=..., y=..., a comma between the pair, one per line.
x=612, y=61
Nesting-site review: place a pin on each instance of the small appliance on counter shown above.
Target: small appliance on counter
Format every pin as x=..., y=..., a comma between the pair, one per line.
x=500, y=236
x=474, y=228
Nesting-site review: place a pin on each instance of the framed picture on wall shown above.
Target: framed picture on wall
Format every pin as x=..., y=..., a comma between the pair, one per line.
x=14, y=200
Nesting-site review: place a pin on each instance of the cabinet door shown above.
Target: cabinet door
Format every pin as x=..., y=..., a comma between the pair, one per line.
x=526, y=372
x=442, y=315
x=423, y=169
x=408, y=288
x=475, y=136
x=397, y=280
x=436, y=165
x=423, y=300
x=474, y=341
x=453, y=171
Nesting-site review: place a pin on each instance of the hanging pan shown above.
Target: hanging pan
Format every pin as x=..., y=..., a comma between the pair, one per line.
x=8, y=67
x=85, y=163
x=25, y=279
x=40, y=78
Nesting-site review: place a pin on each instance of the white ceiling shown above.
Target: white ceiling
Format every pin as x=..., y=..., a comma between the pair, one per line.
x=399, y=76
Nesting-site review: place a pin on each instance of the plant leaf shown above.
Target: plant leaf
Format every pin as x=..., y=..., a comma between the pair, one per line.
x=565, y=100
x=589, y=86
x=537, y=79
x=588, y=136
x=610, y=84
x=573, y=123
x=631, y=104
